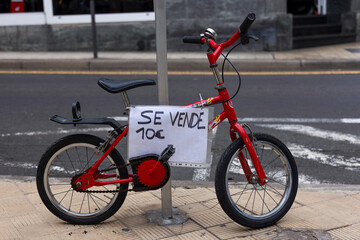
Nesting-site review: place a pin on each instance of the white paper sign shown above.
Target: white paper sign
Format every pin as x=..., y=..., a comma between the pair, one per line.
x=153, y=128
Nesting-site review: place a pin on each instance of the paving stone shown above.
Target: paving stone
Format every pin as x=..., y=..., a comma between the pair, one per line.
x=87, y=232
x=23, y=216
x=11, y=190
x=211, y=218
x=129, y=211
x=115, y=230
x=36, y=230
x=188, y=226
x=304, y=212
x=15, y=206
x=270, y=233
x=306, y=198
x=229, y=230
x=152, y=231
x=196, y=235
x=292, y=221
x=151, y=206
x=183, y=200
x=326, y=223
x=27, y=220
x=9, y=231
x=347, y=233
x=27, y=187
x=135, y=221
x=193, y=208
x=138, y=198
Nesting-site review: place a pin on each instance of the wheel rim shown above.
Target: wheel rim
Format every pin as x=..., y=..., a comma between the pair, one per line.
x=62, y=166
x=253, y=200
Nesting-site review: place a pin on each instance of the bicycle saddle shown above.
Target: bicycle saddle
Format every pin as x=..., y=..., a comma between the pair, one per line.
x=116, y=86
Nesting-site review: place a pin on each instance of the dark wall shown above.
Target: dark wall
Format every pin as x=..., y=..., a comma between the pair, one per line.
x=184, y=17
x=338, y=6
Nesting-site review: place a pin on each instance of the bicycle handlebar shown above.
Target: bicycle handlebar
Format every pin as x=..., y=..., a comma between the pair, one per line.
x=218, y=48
x=244, y=27
x=193, y=39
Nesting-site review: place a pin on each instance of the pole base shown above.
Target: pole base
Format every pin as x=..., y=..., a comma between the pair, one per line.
x=178, y=217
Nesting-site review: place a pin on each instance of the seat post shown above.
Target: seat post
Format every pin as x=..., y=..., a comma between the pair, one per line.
x=125, y=99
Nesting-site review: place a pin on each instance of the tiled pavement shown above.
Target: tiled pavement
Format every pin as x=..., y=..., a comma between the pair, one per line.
x=320, y=213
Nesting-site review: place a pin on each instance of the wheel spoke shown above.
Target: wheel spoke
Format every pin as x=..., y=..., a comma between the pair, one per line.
x=264, y=203
x=258, y=202
x=70, y=161
x=60, y=163
x=248, y=200
x=271, y=162
x=276, y=192
x=63, y=163
x=82, y=202
x=72, y=194
x=262, y=209
x=254, y=198
x=64, y=195
x=77, y=152
x=88, y=203
x=100, y=198
x=94, y=201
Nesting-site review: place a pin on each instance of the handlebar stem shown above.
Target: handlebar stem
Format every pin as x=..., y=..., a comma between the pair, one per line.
x=218, y=48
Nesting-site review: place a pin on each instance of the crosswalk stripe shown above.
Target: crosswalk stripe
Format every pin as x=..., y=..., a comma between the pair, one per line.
x=314, y=132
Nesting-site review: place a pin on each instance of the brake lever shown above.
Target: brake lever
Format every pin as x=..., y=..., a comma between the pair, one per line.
x=253, y=37
x=246, y=38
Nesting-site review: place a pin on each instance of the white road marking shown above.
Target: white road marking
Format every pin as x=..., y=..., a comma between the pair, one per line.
x=332, y=160
x=19, y=165
x=305, y=179
x=201, y=174
x=301, y=120
x=120, y=118
x=280, y=120
x=59, y=131
x=314, y=132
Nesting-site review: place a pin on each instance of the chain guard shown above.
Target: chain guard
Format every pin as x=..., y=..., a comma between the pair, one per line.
x=141, y=165
x=138, y=185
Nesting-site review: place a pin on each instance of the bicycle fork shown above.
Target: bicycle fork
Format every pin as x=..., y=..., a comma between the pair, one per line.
x=251, y=178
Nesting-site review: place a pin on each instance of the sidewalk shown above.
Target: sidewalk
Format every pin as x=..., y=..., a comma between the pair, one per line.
x=334, y=57
x=319, y=212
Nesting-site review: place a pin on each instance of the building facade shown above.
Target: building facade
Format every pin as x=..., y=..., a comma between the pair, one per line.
x=128, y=25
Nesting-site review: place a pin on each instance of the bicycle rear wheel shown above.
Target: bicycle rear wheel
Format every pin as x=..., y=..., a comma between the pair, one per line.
x=68, y=157
x=251, y=204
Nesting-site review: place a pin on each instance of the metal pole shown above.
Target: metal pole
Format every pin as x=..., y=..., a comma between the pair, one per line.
x=163, y=89
x=93, y=27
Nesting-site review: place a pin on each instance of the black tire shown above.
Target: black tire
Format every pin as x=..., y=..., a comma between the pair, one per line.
x=237, y=196
x=67, y=157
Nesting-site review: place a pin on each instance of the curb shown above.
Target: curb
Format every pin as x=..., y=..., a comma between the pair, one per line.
x=175, y=65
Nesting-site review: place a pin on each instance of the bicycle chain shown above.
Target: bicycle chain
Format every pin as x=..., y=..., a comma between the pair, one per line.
x=107, y=191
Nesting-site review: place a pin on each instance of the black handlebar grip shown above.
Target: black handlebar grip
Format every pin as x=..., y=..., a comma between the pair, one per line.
x=192, y=39
x=244, y=27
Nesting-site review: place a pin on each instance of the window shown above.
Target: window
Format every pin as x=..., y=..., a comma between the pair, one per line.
x=18, y=6
x=39, y=12
x=73, y=7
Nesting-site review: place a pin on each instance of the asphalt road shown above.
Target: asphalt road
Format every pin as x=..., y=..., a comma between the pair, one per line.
x=316, y=116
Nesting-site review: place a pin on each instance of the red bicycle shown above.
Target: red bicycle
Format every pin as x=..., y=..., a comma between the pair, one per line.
x=83, y=179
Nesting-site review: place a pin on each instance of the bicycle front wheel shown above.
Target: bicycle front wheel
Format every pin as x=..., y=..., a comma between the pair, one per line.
x=248, y=202
x=68, y=157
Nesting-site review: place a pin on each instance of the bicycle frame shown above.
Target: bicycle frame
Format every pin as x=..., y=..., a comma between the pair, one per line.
x=91, y=177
